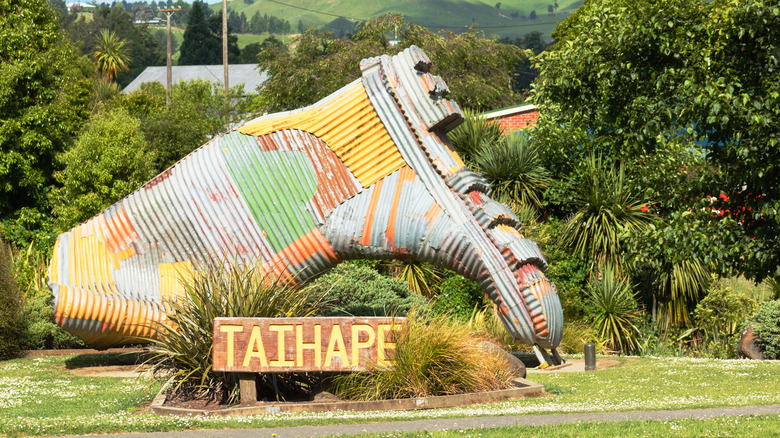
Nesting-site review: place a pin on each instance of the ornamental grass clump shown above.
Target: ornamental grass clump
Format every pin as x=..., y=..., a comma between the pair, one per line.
x=180, y=353
x=434, y=355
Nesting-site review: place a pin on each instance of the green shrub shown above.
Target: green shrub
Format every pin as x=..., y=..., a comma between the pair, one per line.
x=434, y=355
x=614, y=311
x=656, y=339
x=568, y=272
x=719, y=318
x=110, y=159
x=576, y=334
x=181, y=351
x=458, y=297
x=11, y=324
x=40, y=332
x=767, y=329
x=351, y=289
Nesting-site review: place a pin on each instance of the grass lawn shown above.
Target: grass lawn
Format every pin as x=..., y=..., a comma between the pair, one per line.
x=744, y=426
x=40, y=397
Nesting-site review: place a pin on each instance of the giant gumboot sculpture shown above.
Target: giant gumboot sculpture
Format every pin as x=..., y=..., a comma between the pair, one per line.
x=367, y=172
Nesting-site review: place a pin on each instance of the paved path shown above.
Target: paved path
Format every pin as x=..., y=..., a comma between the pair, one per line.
x=459, y=423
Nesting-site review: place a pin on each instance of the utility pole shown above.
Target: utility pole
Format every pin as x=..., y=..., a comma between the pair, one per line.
x=168, y=73
x=225, y=45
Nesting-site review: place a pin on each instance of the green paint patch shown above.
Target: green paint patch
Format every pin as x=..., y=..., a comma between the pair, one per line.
x=275, y=185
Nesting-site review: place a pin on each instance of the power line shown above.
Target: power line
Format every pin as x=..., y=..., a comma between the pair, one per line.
x=316, y=12
x=433, y=27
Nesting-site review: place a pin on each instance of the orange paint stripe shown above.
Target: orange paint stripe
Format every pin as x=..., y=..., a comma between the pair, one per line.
x=407, y=174
x=368, y=222
x=432, y=213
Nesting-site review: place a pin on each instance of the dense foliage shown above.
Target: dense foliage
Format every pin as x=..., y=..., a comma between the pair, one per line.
x=44, y=91
x=767, y=328
x=634, y=79
x=478, y=70
x=458, y=297
x=202, y=43
x=141, y=47
x=719, y=319
x=11, y=323
x=197, y=112
x=109, y=160
x=351, y=289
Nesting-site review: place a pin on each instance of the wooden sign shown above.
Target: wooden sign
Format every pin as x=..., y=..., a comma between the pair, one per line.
x=259, y=345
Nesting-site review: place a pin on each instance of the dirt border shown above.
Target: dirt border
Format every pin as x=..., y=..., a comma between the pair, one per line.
x=524, y=388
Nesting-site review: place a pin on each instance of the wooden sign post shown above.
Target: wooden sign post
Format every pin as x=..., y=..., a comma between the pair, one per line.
x=272, y=345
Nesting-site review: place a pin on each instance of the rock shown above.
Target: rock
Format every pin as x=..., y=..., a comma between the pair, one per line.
x=747, y=347
x=325, y=396
x=514, y=364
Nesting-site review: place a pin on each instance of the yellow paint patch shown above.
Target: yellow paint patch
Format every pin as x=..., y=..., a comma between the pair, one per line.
x=349, y=125
x=171, y=277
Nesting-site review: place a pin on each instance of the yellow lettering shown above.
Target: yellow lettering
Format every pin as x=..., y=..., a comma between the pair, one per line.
x=255, y=339
x=357, y=345
x=316, y=345
x=280, y=330
x=230, y=330
x=382, y=344
x=336, y=340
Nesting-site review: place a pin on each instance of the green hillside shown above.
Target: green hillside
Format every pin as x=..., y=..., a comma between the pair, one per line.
x=509, y=19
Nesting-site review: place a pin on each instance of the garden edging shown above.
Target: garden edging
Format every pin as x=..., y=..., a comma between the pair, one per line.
x=524, y=388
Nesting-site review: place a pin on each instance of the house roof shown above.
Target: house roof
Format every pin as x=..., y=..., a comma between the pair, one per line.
x=246, y=74
x=508, y=111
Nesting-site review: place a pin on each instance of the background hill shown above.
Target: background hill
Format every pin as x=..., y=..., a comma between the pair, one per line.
x=507, y=18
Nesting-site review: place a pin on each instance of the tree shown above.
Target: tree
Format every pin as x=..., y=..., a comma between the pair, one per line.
x=110, y=55
x=109, y=160
x=198, y=111
x=251, y=52
x=635, y=78
x=44, y=94
x=607, y=208
x=532, y=15
x=142, y=48
x=200, y=45
x=478, y=70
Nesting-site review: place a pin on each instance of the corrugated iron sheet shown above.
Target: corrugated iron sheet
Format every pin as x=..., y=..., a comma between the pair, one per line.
x=348, y=124
x=366, y=172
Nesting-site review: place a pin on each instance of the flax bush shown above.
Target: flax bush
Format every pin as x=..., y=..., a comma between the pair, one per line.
x=614, y=310
x=181, y=351
x=434, y=356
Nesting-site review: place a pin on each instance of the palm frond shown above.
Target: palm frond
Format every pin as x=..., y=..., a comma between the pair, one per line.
x=473, y=134
x=513, y=167
x=607, y=208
